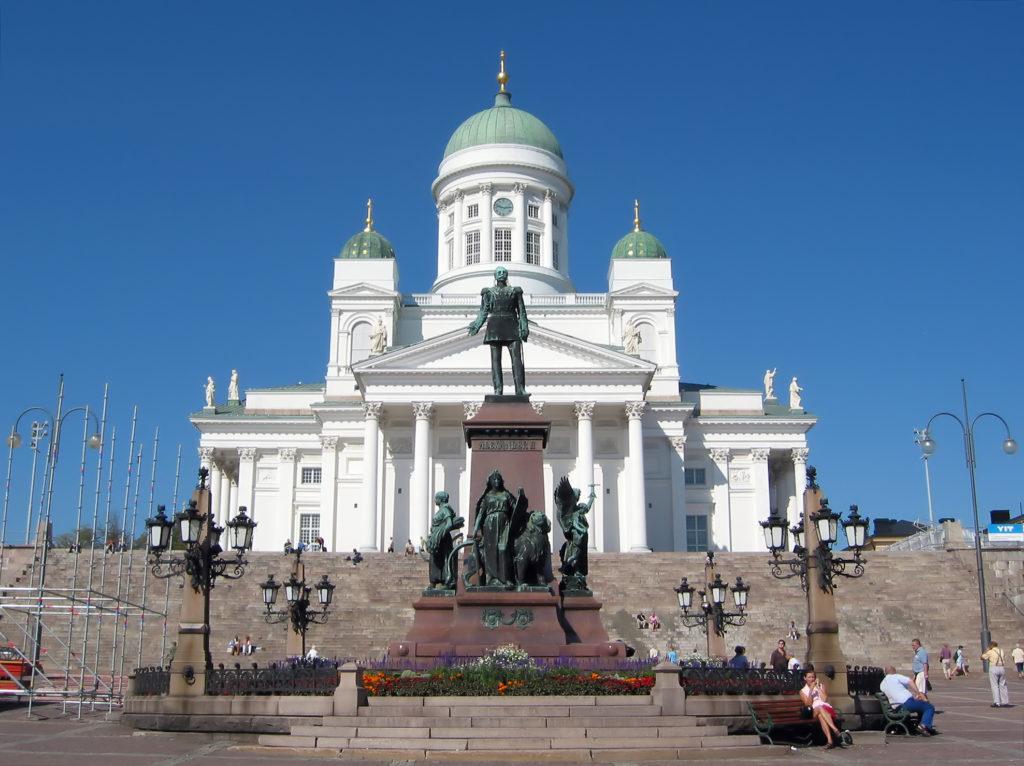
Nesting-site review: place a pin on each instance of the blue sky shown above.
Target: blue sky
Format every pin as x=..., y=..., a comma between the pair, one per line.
x=838, y=184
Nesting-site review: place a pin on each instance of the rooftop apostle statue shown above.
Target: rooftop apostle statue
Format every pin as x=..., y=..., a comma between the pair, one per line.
x=499, y=518
x=507, y=326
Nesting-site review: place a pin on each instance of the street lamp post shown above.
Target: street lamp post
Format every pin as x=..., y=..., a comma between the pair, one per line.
x=300, y=611
x=202, y=564
x=712, y=616
x=814, y=563
x=928, y=446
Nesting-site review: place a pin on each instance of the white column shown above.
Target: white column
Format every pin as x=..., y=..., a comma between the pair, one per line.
x=285, y=528
x=216, y=480
x=246, y=491
x=442, y=250
x=232, y=499
x=678, y=472
x=752, y=538
x=584, y=412
x=224, y=499
x=421, y=501
x=332, y=358
x=519, y=232
x=547, y=258
x=637, y=491
x=329, y=490
x=796, y=510
x=721, y=519
x=460, y=237
x=368, y=502
x=486, y=233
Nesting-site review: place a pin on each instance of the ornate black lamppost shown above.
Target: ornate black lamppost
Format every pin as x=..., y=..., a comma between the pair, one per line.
x=712, y=614
x=300, y=611
x=201, y=560
x=826, y=526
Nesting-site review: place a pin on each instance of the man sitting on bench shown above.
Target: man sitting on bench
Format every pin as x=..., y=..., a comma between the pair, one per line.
x=903, y=693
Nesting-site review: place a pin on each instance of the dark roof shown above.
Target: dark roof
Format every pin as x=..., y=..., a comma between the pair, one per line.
x=896, y=528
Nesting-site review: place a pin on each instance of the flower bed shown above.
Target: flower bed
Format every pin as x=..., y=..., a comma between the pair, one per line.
x=507, y=671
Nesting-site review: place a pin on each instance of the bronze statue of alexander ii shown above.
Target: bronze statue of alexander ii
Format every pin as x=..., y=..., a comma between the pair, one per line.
x=503, y=309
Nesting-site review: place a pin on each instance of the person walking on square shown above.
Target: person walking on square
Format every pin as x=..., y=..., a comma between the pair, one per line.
x=904, y=693
x=946, y=656
x=779, y=659
x=1018, y=659
x=919, y=665
x=960, y=660
x=997, y=675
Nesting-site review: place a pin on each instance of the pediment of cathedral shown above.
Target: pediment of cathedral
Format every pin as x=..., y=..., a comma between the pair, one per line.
x=547, y=352
x=362, y=290
x=644, y=290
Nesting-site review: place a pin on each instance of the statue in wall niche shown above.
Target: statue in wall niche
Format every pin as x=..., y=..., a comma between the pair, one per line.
x=572, y=517
x=795, y=403
x=631, y=339
x=211, y=392
x=379, y=338
x=233, y=392
x=533, y=553
x=769, y=383
x=440, y=543
x=499, y=518
x=507, y=326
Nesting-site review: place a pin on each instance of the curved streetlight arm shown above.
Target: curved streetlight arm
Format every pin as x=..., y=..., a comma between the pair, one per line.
x=963, y=427
x=88, y=410
x=17, y=421
x=997, y=416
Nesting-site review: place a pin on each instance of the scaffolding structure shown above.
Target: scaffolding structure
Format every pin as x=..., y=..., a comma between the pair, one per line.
x=66, y=639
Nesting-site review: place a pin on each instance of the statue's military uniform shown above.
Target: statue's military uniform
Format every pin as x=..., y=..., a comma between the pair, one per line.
x=502, y=306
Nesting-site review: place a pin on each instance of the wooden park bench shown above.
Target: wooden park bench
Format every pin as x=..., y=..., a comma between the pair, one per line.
x=896, y=716
x=784, y=713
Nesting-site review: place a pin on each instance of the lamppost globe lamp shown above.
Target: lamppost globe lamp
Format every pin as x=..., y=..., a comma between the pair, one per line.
x=774, y=532
x=14, y=440
x=190, y=522
x=1010, y=445
x=270, y=589
x=324, y=592
x=856, y=528
x=94, y=441
x=740, y=592
x=293, y=589
x=928, y=445
x=826, y=523
x=240, y=531
x=684, y=593
x=159, y=530
x=718, y=589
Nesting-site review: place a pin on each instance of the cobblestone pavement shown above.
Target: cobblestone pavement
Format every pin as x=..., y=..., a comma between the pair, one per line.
x=972, y=733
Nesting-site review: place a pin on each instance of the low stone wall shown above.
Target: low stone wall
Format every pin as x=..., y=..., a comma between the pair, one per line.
x=260, y=715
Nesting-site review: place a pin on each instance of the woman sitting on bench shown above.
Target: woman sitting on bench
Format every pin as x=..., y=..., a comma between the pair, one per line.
x=815, y=696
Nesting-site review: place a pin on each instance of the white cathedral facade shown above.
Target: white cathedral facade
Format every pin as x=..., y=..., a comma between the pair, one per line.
x=356, y=458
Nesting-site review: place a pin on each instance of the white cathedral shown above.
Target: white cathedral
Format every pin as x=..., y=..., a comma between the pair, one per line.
x=355, y=459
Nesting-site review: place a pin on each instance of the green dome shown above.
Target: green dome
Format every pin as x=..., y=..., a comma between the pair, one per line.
x=503, y=124
x=639, y=244
x=367, y=244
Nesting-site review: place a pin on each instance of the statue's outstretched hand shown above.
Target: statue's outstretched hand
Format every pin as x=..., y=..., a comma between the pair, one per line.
x=474, y=328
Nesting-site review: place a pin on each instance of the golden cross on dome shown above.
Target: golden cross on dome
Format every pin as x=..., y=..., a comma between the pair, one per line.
x=502, y=75
x=636, y=215
x=369, y=215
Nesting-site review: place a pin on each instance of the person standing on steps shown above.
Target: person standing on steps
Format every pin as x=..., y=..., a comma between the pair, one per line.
x=946, y=657
x=779, y=660
x=997, y=675
x=919, y=665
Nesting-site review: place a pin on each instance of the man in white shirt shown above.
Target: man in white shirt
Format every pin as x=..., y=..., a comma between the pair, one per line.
x=904, y=693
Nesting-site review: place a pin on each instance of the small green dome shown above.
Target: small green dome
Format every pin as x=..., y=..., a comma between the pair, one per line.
x=503, y=124
x=638, y=243
x=367, y=243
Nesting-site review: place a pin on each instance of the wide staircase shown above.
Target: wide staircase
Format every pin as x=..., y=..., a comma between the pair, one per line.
x=927, y=595
x=580, y=728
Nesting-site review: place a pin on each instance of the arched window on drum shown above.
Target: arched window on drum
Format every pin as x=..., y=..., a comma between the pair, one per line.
x=648, y=342
x=360, y=349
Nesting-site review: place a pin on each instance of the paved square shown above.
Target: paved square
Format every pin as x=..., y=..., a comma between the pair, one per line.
x=972, y=733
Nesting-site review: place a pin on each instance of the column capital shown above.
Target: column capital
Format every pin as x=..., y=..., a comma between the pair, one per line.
x=286, y=453
x=719, y=454
x=519, y=188
x=584, y=410
x=329, y=442
x=459, y=195
x=550, y=194
x=635, y=410
x=678, y=443
x=373, y=410
x=800, y=455
x=759, y=455
x=486, y=188
x=206, y=454
x=470, y=409
x=423, y=410
x=538, y=407
x=246, y=454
